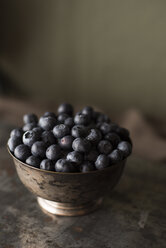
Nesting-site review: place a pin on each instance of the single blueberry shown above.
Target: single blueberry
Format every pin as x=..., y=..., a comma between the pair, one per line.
x=122, y=132
x=29, y=126
x=29, y=118
x=69, y=122
x=30, y=137
x=33, y=161
x=88, y=111
x=105, y=147
x=63, y=165
x=62, y=117
x=50, y=114
x=38, y=130
x=17, y=132
x=102, y=118
x=75, y=157
x=91, y=156
x=113, y=127
x=125, y=147
x=22, y=152
x=82, y=119
x=95, y=115
x=94, y=136
x=92, y=125
x=61, y=130
x=78, y=131
x=113, y=138
x=81, y=145
x=87, y=166
x=47, y=123
x=48, y=138
x=105, y=128
x=102, y=162
x=47, y=164
x=115, y=156
x=38, y=149
x=53, y=152
x=98, y=125
x=65, y=108
x=13, y=142
x=66, y=142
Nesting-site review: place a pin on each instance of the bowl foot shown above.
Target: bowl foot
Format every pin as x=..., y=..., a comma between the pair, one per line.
x=67, y=209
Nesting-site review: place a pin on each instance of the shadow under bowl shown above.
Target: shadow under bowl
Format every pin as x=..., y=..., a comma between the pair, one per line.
x=69, y=194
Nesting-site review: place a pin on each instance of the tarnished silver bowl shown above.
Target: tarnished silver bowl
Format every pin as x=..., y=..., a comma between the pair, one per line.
x=68, y=194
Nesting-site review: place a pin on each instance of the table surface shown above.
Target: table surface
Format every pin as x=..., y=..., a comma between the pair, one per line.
x=133, y=215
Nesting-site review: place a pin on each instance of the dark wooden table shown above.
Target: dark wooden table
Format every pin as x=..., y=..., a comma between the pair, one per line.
x=132, y=216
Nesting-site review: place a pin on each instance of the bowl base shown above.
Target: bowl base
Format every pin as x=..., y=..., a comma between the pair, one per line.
x=67, y=209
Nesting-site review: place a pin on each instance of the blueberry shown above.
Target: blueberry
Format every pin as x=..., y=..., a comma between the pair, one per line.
x=98, y=125
x=65, y=108
x=53, y=152
x=17, y=132
x=125, y=147
x=75, y=157
x=30, y=137
x=22, y=152
x=69, y=122
x=81, y=119
x=62, y=117
x=81, y=145
x=102, y=118
x=78, y=131
x=48, y=138
x=33, y=161
x=95, y=115
x=47, y=123
x=105, y=147
x=113, y=138
x=38, y=130
x=122, y=132
x=105, y=128
x=92, y=125
x=47, y=164
x=102, y=162
x=38, y=149
x=63, y=165
x=94, y=136
x=29, y=118
x=50, y=114
x=66, y=142
x=87, y=166
x=88, y=111
x=115, y=156
x=13, y=142
x=113, y=127
x=29, y=126
x=91, y=156
x=61, y=130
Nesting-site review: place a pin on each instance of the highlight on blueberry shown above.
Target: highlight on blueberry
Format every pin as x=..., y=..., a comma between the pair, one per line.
x=68, y=142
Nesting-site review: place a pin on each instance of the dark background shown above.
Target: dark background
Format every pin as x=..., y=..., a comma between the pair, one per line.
x=111, y=54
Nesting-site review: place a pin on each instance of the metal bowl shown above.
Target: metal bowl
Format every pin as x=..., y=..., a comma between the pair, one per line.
x=68, y=194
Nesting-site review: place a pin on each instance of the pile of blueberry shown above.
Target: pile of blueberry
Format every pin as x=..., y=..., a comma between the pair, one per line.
x=66, y=142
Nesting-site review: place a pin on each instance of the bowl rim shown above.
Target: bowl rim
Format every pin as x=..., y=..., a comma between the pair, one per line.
x=65, y=173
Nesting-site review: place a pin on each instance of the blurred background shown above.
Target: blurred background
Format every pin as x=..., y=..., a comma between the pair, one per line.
x=110, y=54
